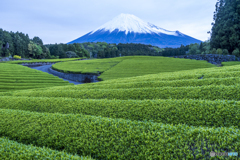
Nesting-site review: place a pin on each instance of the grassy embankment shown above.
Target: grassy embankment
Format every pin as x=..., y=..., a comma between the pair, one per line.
x=171, y=115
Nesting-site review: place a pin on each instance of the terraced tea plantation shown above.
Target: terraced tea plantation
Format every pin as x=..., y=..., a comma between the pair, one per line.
x=171, y=115
x=17, y=77
x=130, y=66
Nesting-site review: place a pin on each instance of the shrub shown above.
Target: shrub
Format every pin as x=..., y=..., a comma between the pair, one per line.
x=214, y=51
x=17, y=57
x=225, y=52
x=53, y=57
x=71, y=54
x=236, y=52
x=219, y=51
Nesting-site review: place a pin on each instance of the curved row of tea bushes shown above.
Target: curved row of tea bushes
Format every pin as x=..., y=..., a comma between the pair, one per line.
x=12, y=76
x=25, y=86
x=15, y=151
x=191, y=112
x=231, y=63
x=105, y=138
x=33, y=84
x=31, y=81
x=33, y=77
x=220, y=72
x=153, y=84
x=169, y=79
x=94, y=66
x=211, y=92
x=172, y=77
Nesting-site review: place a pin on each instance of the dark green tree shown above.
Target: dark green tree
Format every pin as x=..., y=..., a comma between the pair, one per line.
x=236, y=52
x=37, y=40
x=226, y=27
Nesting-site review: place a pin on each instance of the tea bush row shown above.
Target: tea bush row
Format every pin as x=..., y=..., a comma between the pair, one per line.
x=105, y=138
x=211, y=92
x=172, y=77
x=95, y=66
x=153, y=84
x=15, y=151
x=191, y=112
x=219, y=72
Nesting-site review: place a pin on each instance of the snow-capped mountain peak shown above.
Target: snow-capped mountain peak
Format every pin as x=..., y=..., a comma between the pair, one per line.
x=129, y=23
x=127, y=28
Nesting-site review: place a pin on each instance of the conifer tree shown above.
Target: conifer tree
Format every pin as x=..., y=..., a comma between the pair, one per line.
x=225, y=32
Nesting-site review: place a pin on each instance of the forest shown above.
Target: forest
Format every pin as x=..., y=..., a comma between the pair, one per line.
x=103, y=49
x=20, y=44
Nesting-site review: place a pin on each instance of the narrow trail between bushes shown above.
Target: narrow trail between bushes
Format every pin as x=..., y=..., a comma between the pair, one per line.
x=45, y=68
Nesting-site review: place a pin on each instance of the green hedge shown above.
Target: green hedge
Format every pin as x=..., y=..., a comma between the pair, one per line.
x=219, y=72
x=27, y=81
x=12, y=150
x=95, y=66
x=191, y=112
x=211, y=92
x=30, y=86
x=153, y=84
x=231, y=63
x=105, y=138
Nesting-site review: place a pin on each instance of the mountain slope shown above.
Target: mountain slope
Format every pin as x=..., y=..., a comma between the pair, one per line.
x=127, y=28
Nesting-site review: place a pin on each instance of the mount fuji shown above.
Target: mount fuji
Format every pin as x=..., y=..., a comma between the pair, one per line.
x=127, y=28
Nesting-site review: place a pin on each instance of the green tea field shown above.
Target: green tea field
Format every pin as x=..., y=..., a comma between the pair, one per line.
x=231, y=63
x=17, y=77
x=130, y=66
x=153, y=110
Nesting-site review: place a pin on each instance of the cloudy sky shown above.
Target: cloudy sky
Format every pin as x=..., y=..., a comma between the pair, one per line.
x=58, y=21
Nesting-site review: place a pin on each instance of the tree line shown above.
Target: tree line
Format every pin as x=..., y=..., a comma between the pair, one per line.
x=67, y=50
x=103, y=49
x=20, y=44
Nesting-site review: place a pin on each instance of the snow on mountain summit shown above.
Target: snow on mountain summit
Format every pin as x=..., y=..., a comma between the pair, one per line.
x=129, y=23
x=127, y=28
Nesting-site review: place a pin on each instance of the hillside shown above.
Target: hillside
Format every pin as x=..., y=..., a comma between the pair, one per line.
x=130, y=66
x=172, y=115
